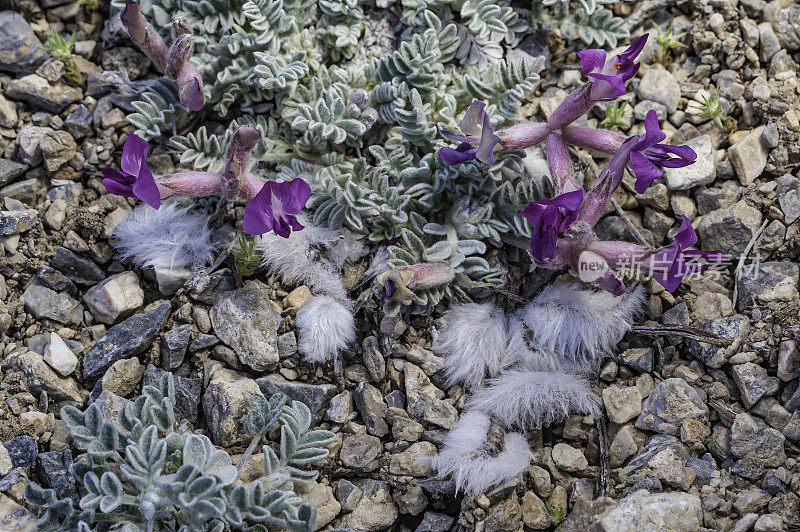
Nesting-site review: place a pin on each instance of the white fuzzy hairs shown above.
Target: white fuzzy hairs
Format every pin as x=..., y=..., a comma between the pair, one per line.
x=174, y=236
x=474, y=471
x=315, y=257
x=473, y=343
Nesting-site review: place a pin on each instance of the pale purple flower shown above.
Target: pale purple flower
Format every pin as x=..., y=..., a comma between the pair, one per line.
x=648, y=156
x=672, y=263
x=275, y=207
x=550, y=219
x=478, y=139
x=135, y=180
x=610, y=75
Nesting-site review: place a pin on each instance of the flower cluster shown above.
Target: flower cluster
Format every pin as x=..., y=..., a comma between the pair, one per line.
x=563, y=225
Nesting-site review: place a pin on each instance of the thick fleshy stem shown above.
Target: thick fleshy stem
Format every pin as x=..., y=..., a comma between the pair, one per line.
x=196, y=184
x=144, y=35
x=594, y=206
x=524, y=135
x=237, y=158
x=602, y=140
x=573, y=107
x=560, y=164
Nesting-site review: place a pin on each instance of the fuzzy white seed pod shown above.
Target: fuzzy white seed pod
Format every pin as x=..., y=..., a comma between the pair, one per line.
x=326, y=326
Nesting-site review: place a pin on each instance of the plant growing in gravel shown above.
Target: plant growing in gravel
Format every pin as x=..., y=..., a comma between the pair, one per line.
x=666, y=41
x=141, y=474
x=711, y=109
x=61, y=49
x=614, y=115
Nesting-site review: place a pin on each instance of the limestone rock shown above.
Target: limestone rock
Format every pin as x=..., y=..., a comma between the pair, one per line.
x=116, y=296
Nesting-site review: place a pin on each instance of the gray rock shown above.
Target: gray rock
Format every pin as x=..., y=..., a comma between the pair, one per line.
x=348, y=495
x=8, y=113
x=663, y=458
x=226, y=402
x=729, y=229
x=435, y=522
x=641, y=109
x=207, y=287
x=15, y=222
x=54, y=280
x=671, y=402
x=79, y=122
x=640, y=358
x=680, y=512
x=768, y=41
x=785, y=19
x=245, y=320
x=9, y=171
x=20, y=50
x=712, y=199
x=568, y=458
x=173, y=348
x=30, y=139
x=756, y=441
x=59, y=356
x=203, y=341
x=361, y=452
x=187, y=392
x=370, y=404
x=790, y=205
x=127, y=339
x=22, y=451
x=39, y=377
x=54, y=470
x=70, y=193
x=375, y=511
x=112, y=298
x=373, y=359
x=42, y=302
x=287, y=345
x=35, y=90
x=26, y=190
x=341, y=406
x=753, y=382
x=662, y=87
x=80, y=270
x=315, y=396
x=425, y=400
x=702, y=172
x=58, y=148
x=703, y=467
x=792, y=429
x=749, y=156
x=733, y=328
x=771, y=281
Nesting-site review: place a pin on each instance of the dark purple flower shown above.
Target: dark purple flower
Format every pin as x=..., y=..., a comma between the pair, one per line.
x=275, y=207
x=478, y=139
x=673, y=262
x=609, y=76
x=135, y=180
x=550, y=219
x=648, y=157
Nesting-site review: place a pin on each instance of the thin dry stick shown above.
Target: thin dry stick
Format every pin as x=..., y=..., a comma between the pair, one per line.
x=740, y=265
x=679, y=330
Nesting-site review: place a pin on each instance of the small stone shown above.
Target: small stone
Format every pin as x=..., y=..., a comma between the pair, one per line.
x=80, y=270
x=321, y=497
x=315, y=396
x=694, y=432
x=40, y=377
x=672, y=401
x=423, y=400
x=729, y=229
x=5, y=461
x=751, y=440
x=360, y=452
x=56, y=214
x=226, y=402
x=203, y=341
x=534, y=512
x=769, y=523
x=35, y=90
x=15, y=222
x=788, y=360
x=370, y=404
x=375, y=511
x=622, y=404
x=60, y=356
x=34, y=422
x=187, y=392
x=749, y=156
x=435, y=522
x=123, y=377
x=414, y=461
x=287, y=345
x=753, y=382
x=679, y=512
x=298, y=297
x=625, y=444
x=348, y=495
x=768, y=41
x=662, y=87
x=54, y=469
x=407, y=429
x=245, y=320
x=702, y=172
x=58, y=148
x=170, y=280
x=8, y=113
x=711, y=306
x=790, y=205
x=341, y=406
x=113, y=119
x=43, y=302
x=10, y=170
x=373, y=359
x=116, y=296
x=751, y=501
x=569, y=458
x=771, y=281
x=174, y=346
x=22, y=451
x=129, y=338
x=54, y=280
x=641, y=109
x=30, y=139
x=638, y=358
x=733, y=328
x=21, y=51
x=79, y=122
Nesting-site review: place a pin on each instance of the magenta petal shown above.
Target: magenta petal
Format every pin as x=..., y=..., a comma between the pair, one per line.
x=451, y=156
x=193, y=96
x=115, y=187
x=685, y=237
x=296, y=226
x=146, y=188
x=646, y=172
x=134, y=153
x=116, y=175
x=281, y=227
x=455, y=136
x=543, y=241
x=292, y=195
x=258, y=217
x=606, y=87
x=652, y=132
x=473, y=118
x=636, y=48
x=611, y=282
x=592, y=60
x=533, y=213
x=570, y=201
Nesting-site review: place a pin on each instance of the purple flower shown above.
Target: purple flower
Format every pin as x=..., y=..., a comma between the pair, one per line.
x=648, y=157
x=610, y=76
x=274, y=207
x=478, y=140
x=550, y=219
x=135, y=180
x=673, y=262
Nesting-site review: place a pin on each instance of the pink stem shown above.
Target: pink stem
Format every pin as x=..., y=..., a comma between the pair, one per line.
x=525, y=135
x=561, y=170
x=195, y=184
x=573, y=107
x=602, y=140
x=144, y=35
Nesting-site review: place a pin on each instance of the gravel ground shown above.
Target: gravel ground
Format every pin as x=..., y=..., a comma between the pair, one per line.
x=700, y=436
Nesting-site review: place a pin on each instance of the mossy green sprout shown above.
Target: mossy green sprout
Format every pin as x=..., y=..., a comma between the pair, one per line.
x=712, y=110
x=614, y=115
x=557, y=515
x=245, y=256
x=666, y=41
x=89, y=4
x=61, y=49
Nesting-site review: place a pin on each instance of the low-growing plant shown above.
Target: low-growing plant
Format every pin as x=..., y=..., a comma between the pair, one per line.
x=140, y=474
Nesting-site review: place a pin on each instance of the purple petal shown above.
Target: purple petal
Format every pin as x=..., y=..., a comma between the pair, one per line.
x=611, y=282
x=636, y=48
x=193, y=96
x=456, y=137
x=533, y=212
x=292, y=195
x=146, y=188
x=488, y=141
x=473, y=118
x=116, y=175
x=646, y=172
x=570, y=201
x=115, y=187
x=281, y=227
x=258, y=217
x=543, y=241
x=451, y=156
x=296, y=226
x=606, y=87
x=592, y=60
x=685, y=237
x=133, y=154
x=652, y=132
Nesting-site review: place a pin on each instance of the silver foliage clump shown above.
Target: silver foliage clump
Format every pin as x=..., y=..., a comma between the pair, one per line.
x=143, y=475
